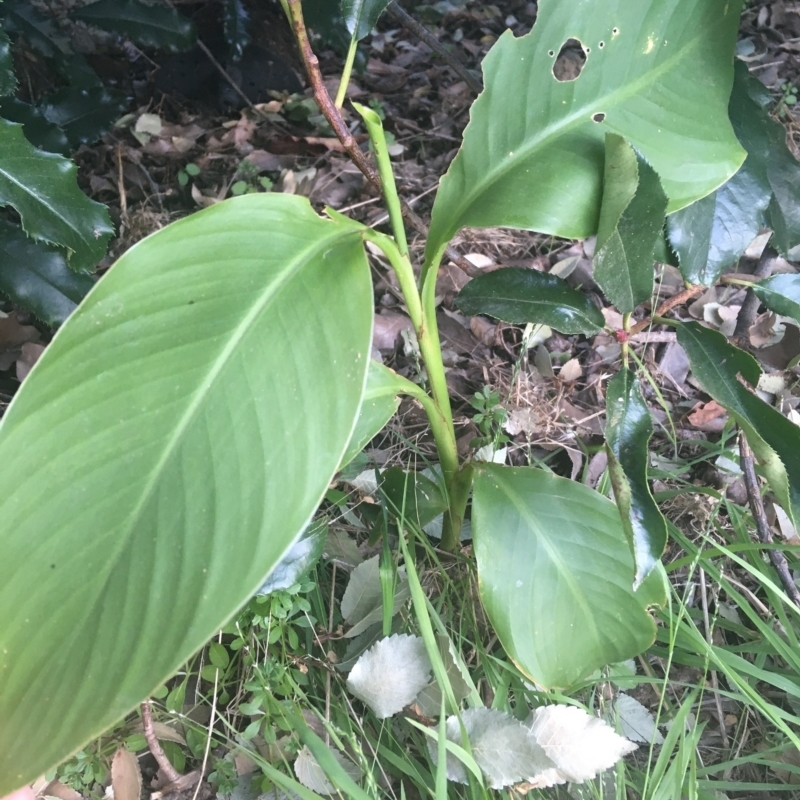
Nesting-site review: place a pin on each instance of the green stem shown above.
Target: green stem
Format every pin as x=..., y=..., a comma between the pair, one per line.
x=738, y=282
x=626, y=326
x=378, y=139
x=346, y=73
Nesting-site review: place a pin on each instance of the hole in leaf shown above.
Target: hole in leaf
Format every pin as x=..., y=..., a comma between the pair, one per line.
x=569, y=62
x=601, y=45
x=551, y=53
x=615, y=31
x=599, y=116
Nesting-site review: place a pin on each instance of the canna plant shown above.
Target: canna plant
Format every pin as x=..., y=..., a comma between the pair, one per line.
x=179, y=433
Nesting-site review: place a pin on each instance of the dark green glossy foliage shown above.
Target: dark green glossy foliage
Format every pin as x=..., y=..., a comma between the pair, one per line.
x=781, y=294
x=151, y=25
x=628, y=432
x=38, y=130
x=520, y=295
x=360, y=16
x=43, y=190
x=21, y=18
x=8, y=82
x=631, y=221
x=35, y=276
x=412, y=495
x=236, y=27
x=84, y=114
x=299, y=559
x=717, y=366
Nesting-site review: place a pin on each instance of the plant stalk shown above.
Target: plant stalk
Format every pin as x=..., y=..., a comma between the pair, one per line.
x=346, y=72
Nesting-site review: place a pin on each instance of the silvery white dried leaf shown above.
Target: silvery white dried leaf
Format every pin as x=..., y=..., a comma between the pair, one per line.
x=500, y=746
x=390, y=674
x=429, y=699
x=311, y=774
x=636, y=722
x=579, y=744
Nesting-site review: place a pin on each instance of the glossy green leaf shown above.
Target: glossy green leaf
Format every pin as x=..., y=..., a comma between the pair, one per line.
x=22, y=18
x=84, y=114
x=631, y=221
x=711, y=235
x=555, y=574
x=775, y=440
x=299, y=559
x=236, y=27
x=781, y=294
x=38, y=130
x=413, y=495
x=43, y=190
x=36, y=276
x=8, y=82
x=628, y=431
x=163, y=455
x=360, y=16
x=377, y=408
x=658, y=72
x=519, y=296
x=146, y=24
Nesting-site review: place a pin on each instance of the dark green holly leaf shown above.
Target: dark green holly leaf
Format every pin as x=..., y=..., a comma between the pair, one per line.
x=413, y=495
x=42, y=188
x=711, y=235
x=84, y=114
x=324, y=17
x=38, y=130
x=518, y=295
x=783, y=214
x=299, y=559
x=360, y=16
x=36, y=276
x=236, y=27
x=781, y=294
x=717, y=366
x=149, y=25
x=628, y=430
x=21, y=18
x=631, y=219
x=8, y=82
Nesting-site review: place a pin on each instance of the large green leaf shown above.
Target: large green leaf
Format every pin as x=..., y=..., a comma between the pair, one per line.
x=555, y=574
x=146, y=24
x=36, y=276
x=8, y=82
x=519, y=296
x=360, y=16
x=381, y=399
x=775, y=440
x=236, y=27
x=22, y=18
x=43, y=190
x=628, y=431
x=658, y=72
x=781, y=294
x=711, y=235
x=162, y=456
x=631, y=222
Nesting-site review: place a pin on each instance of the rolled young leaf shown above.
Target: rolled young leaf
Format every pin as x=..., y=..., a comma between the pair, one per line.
x=162, y=456
x=712, y=234
x=781, y=294
x=628, y=432
x=146, y=24
x=555, y=575
x=717, y=366
x=42, y=188
x=658, y=72
x=631, y=221
x=520, y=296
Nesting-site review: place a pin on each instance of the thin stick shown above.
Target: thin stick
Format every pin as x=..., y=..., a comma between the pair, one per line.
x=777, y=557
x=424, y=35
x=749, y=309
x=159, y=755
x=211, y=721
x=668, y=305
x=337, y=123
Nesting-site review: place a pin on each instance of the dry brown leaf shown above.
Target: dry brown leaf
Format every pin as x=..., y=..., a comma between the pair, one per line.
x=387, y=329
x=126, y=777
x=571, y=371
x=30, y=354
x=61, y=791
x=484, y=330
x=709, y=416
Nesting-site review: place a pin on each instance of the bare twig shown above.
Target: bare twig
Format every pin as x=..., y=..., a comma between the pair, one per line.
x=236, y=88
x=424, y=35
x=339, y=126
x=777, y=557
x=155, y=746
x=749, y=309
x=668, y=305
